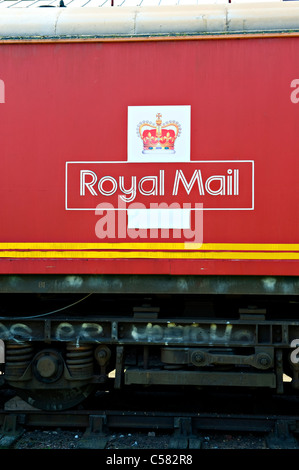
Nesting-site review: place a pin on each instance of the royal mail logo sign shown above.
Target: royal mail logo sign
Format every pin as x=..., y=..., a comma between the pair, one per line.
x=159, y=133
x=158, y=171
x=158, y=138
x=216, y=184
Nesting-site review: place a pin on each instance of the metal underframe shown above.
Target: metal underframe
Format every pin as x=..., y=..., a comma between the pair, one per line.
x=153, y=284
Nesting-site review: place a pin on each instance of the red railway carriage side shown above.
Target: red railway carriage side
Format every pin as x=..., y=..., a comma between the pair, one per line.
x=148, y=199
x=85, y=174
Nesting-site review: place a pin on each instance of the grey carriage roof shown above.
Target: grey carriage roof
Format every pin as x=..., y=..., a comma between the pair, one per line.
x=101, y=18
x=122, y=3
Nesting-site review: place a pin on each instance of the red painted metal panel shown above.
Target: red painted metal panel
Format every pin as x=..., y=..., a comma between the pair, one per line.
x=69, y=103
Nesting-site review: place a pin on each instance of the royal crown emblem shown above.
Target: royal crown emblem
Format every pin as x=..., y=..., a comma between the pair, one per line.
x=158, y=138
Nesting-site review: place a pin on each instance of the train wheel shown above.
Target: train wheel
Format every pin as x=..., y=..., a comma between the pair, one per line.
x=51, y=400
x=46, y=380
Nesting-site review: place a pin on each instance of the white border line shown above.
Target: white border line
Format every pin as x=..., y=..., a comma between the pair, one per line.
x=134, y=163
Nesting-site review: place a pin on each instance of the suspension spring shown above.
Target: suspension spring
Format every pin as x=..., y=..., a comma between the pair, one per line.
x=79, y=360
x=17, y=358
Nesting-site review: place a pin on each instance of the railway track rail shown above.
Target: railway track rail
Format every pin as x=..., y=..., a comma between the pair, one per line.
x=185, y=429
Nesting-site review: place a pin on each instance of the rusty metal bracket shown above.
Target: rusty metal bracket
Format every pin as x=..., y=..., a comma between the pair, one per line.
x=281, y=436
x=279, y=371
x=11, y=431
x=262, y=358
x=183, y=437
x=119, y=367
x=95, y=435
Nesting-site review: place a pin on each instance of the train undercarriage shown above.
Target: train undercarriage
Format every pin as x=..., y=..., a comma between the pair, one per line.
x=61, y=347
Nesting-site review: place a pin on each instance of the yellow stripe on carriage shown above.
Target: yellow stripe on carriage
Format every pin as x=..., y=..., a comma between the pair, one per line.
x=279, y=247
x=235, y=255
